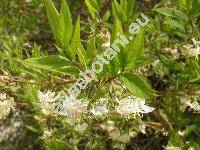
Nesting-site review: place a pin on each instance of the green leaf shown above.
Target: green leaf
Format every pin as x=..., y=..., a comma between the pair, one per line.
x=117, y=28
x=68, y=70
x=172, y=12
x=106, y=16
x=143, y=60
x=93, y=7
x=101, y=92
x=195, y=11
x=91, y=48
x=53, y=63
x=128, y=7
x=61, y=24
x=75, y=39
x=119, y=12
x=82, y=55
x=175, y=139
x=66, y=24
x=54, y=20
x=47, y=62
x=137, y=85
x=121, y=55
x=55, y=144
x=135, y=49
x=33, y=128
x=174, y=23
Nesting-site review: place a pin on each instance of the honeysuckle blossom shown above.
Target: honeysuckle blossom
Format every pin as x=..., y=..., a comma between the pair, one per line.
x=128, y=106
x=6, y=104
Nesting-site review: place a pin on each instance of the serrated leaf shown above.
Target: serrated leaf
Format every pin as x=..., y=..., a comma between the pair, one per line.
x=137, y=85
x=93, y=7
x=66, y=24
x=195, y=11
x=174, y=23
x=75, y=39
x=32, y=128
x=101, y=92
x=82, y=55
x=135, y=49
x=106, y=16
x=119, y=12
x=128, y=7
x=55, y=144
x=91, y=48
x=172, y=12
x=61, y=24
x=53, y=63
x=54, y=20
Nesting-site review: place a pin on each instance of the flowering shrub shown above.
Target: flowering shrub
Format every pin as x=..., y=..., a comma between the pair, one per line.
x=98, y=74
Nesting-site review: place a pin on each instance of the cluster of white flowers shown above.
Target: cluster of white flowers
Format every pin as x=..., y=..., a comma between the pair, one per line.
x=173, y=51
x=172, y=147
x=81, y=127
x=128, y=106
x=192, y=50
x=46, y=101
x=75, y=108
x=101, y=108
x=193, y=105
x=60, y=104
x=47, y=133
x=6, y=104
x=72, y=107
x=65, y=106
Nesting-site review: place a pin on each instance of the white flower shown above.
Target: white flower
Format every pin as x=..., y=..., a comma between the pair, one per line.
x=142, y=128
x=128, y=106
x=73, y=107
x=46, y=101
x=61, y=104
x=192, y=50
x=81, y=127
x=122, y=137
x=194, y=105
x=171, y=147
x=173, y=51
x=28, y=1
x=101, y=108
x=5, y=105
x=2, y=96
x=47, y=134
x=106, y=39
x=108, y=126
